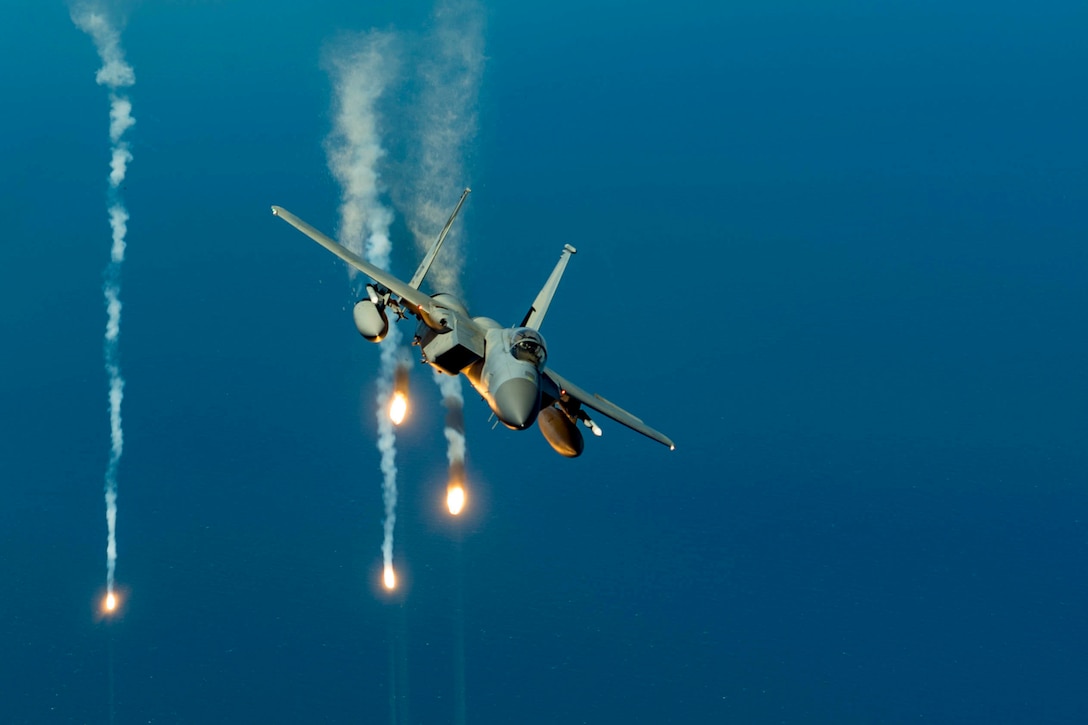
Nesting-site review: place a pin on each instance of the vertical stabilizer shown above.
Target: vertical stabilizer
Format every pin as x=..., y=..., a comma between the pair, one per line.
x=417, y=278
x=535, y=316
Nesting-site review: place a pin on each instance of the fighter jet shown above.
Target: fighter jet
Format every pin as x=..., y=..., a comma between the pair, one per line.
x=507, y=366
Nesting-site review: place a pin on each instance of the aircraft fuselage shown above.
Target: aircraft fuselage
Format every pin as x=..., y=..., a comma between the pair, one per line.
x=508, y=375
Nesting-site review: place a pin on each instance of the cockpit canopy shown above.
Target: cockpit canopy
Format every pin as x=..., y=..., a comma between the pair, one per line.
x=528, y=346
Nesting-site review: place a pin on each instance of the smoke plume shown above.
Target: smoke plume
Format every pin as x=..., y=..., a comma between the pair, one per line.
x=115, y=74
x=454, y=400
x=361, y=67
x=449, y=80
x=433, y=134
x=449, y=92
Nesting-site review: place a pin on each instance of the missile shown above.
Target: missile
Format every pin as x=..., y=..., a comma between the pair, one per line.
x=588, y=422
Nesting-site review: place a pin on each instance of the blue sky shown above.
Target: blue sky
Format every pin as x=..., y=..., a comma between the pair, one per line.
x=835, y=252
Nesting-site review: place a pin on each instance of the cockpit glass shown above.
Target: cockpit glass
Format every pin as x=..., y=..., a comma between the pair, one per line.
x=528, y=347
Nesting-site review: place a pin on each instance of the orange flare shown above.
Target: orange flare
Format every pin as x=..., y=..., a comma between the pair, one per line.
x=455, y=498
x=110, y=602
x=390, y=578
x=398, y=407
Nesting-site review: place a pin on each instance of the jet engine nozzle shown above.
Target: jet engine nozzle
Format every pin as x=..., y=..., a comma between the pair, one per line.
x=370, y=320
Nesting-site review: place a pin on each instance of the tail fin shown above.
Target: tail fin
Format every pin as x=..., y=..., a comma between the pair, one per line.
x=417, y=278
x=535, y=316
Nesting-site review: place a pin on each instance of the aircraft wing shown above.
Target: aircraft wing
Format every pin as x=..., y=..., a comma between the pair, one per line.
x=418, y=300
x=569, y=390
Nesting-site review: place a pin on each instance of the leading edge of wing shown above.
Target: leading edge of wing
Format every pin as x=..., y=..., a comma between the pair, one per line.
x=416, y=298
x=612, y=410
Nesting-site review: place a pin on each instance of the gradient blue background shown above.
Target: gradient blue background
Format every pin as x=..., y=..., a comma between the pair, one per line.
x=837, y=251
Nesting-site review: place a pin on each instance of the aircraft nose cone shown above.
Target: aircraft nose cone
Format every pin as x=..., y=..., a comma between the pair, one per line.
x=517, y=401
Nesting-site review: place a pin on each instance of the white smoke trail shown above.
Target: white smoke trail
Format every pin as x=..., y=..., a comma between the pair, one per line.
x=449, y=75
x=361, y=67
x=450, y=82
x=115, y=73
x=391, y=355
x=454, y=400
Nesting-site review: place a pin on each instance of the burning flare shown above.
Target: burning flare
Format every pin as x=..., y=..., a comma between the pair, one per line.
x=390, y=578
x=455, y=441
x=398, y=407
x=109, y=604
x=455, y=498
x=398, y=404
